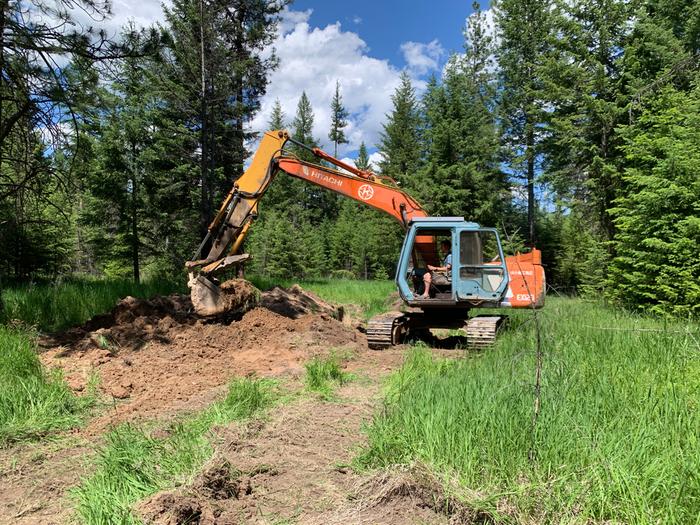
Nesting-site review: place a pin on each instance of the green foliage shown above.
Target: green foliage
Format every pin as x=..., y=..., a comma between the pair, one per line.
x=323, y=374
x=52, y=307
x=400, y=139
x=658, y=214
x=133, y=463
x=277, y=117
x=617, y=433
x=339, y=121
x=461, y=175
x=33, y=402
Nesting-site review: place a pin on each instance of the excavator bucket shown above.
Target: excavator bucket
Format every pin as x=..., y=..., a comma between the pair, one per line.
x=206, y=296
x=231, y=297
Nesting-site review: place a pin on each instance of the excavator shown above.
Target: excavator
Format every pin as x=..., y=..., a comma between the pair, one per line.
x=480, y=276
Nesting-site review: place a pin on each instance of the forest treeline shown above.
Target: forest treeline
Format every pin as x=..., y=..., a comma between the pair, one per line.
x=571, y=126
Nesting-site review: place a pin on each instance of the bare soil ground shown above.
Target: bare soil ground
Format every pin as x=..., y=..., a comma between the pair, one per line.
x=154, y=359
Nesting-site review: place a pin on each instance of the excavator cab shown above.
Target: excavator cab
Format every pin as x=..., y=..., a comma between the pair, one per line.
x=478, y=274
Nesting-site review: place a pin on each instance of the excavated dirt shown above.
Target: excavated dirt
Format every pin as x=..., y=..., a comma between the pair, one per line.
x=157, y=356
x=294, y=469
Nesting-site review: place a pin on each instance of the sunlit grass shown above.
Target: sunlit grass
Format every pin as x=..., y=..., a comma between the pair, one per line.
x=323, y=374
x=618, y=436
x=33, y=402
x=133, y=463
x=52, y=307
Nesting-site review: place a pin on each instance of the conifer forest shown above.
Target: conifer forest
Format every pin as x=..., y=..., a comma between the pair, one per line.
x=571, y=126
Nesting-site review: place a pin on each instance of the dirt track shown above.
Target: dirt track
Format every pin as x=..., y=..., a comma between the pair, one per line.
x=156, y=358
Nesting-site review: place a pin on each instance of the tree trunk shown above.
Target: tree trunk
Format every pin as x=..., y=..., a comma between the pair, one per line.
x=134, y=228
x=530, y=156
x=206, y=198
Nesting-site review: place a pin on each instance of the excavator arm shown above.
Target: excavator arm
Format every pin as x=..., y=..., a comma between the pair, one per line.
x=233, y=219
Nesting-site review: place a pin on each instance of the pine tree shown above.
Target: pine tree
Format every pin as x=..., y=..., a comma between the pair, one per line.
x=277, y=117
x=461, y=174
x=215, y=75
x=362, y=160
x=657, y=215
x=400, y=143
x=318, y=203
x=526, y=31
x=303, y=127
x=339, y=121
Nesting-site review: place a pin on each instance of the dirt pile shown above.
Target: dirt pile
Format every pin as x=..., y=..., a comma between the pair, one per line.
x=197, y=503
x=294, y=302
x=157, y=356
x=232, y=297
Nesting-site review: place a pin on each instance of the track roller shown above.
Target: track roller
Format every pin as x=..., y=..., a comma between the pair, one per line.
x=385, y=330
x=483, y=329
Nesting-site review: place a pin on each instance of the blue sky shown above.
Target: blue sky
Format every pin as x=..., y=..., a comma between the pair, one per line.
x=385, y=25
x=361, y=44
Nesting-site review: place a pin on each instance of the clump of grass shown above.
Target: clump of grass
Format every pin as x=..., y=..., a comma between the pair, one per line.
x=134, y=464
x=53, y=307
x=323, y=374
x=617, y=436
x=33, y=402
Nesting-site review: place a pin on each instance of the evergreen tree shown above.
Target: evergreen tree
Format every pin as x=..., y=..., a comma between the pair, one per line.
x=461, y=175
x=303, y=127
x=526, y=31
x=339, y=121
x=362, y=160
x=215, y=75
x=277, y=117
x=318, y=203
x=400, y=143
x=657, y=216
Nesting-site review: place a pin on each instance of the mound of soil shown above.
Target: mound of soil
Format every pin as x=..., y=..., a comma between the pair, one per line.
x=197, y=503
x=230, y=298
x=159, y=356
x=294, y=302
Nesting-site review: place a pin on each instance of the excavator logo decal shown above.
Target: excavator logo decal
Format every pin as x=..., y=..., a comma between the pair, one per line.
x=365, y=192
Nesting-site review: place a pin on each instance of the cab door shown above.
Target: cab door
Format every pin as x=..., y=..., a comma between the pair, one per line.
x=479, y=271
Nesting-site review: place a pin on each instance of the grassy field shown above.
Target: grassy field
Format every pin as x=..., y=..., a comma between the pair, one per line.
x=134, y=464
x=33, y=402
x=617, y=439
x=618, y=434
x=57, y=306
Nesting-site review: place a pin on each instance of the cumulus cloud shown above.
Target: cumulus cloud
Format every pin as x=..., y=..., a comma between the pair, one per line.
x=374, y=160
x=143, y=13
x=422, y=58
x=311, y=60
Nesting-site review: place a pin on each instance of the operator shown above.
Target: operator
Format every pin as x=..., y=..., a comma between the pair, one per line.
x=439, y=275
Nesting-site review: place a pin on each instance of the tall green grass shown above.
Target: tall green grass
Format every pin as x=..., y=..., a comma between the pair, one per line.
x=134, y=464
x=32, y=401
x=323, y=374
x=618, y=435
x=52, y=307
x=371, y=297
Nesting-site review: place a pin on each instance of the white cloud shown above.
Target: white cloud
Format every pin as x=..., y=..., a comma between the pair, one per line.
x=311, y=60
x=142, y=12
x=374, y=160
x=422, y=58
